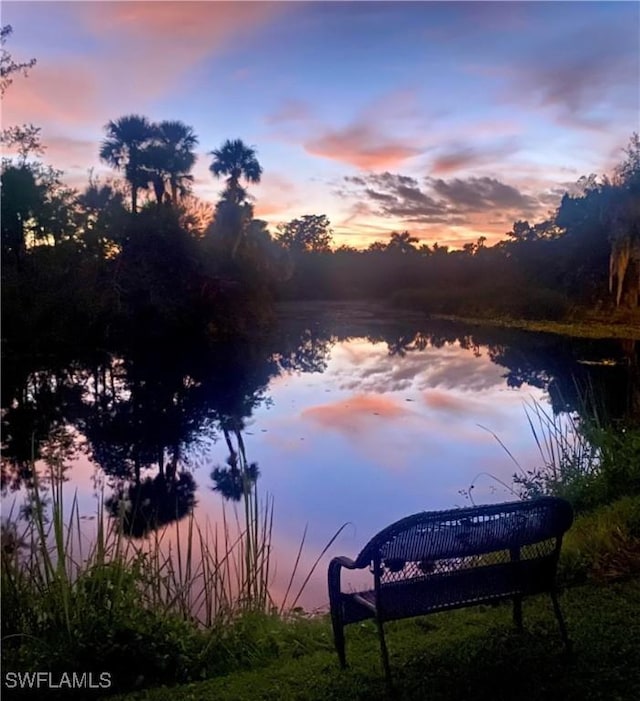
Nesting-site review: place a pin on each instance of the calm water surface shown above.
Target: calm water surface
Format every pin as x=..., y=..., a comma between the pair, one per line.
x=351, y=414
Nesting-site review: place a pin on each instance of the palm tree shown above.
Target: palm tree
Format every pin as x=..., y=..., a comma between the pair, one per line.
x=402, y=242
x=236, y=160
x=178, y=140
x=124, y=147
x=155, y=165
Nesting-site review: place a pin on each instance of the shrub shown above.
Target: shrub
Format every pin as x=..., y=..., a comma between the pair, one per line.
x=603, y=544
x=583, y=460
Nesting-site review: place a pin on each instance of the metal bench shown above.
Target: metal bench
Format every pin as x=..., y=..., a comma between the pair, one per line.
x=439, y=560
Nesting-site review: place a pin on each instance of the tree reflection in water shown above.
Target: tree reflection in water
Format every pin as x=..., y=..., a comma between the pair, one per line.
x=153, y=502
x=141, y=413
x=238, y=478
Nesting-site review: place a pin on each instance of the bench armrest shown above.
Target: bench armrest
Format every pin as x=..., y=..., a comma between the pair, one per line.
x=335, y=566
x=343, y=561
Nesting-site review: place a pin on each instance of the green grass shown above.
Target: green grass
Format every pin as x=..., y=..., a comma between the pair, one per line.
x=587, y=326
x=471, y=654
x=604, y=544
x=128, y=608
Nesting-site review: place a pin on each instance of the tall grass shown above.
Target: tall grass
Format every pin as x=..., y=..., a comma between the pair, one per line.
x=179, y=603
x=582, y=458
x=570, y=458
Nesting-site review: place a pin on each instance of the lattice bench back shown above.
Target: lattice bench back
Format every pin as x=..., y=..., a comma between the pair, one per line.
x=438, y=560
x=438, y=540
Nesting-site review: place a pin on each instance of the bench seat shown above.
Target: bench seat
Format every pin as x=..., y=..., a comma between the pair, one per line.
x=437, y=561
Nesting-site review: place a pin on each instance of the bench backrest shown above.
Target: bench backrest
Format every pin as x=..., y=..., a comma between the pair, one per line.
x=431, y=536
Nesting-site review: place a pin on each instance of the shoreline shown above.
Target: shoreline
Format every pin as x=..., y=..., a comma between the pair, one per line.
x=597, y=327
x=582, y=328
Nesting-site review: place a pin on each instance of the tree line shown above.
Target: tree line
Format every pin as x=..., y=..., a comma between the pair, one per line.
x=142, y=253
x=585, y=255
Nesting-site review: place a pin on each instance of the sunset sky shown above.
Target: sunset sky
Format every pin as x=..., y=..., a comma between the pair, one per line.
x=450, y=120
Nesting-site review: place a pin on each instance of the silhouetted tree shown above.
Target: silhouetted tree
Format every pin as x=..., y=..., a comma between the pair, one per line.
x=8, y=67
x=236, y=160
x=168, y=159
x=124, y=148
x=311, y=232
x=25, y=139
x=624, y=259
x=101, y=217
x=178, y=141
x=22, y=196
x=233, y=212
x=402, y=243
x=601, y=232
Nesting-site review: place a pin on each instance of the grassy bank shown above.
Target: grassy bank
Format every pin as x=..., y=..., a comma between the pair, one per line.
x=585, y=326
x=132, y=608
x=472, y=654
x=530, y=309
x=256, y=655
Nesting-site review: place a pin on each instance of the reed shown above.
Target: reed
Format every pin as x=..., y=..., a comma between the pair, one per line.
x=582, y=457
x=75, y=591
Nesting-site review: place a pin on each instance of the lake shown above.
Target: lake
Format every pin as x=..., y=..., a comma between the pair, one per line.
x=347, y=414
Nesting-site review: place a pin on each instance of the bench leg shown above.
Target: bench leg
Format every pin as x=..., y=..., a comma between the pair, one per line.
x=563, y=627
x=383, y=651
x=517, y=612
x=338, y=638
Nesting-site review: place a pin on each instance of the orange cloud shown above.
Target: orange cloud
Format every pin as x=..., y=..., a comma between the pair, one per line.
x=276, y=197
x=354, y=415
x=443, y=401
x=362, y=146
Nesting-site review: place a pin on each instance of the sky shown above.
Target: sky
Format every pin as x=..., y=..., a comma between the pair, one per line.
x=447, y=119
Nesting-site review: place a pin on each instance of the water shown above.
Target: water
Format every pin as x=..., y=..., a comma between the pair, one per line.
x=350, y=414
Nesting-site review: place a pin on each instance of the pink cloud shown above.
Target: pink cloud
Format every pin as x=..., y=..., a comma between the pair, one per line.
x=276, y=197
x=152, y=44
x=443, y=401
x=453, y=161
x=354, y=415
x=76, y=152
x=54, y=93
x=206, y=23
x=448, y=403
x=361, y=145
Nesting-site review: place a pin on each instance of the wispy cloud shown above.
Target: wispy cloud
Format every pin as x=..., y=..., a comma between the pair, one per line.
x=290, y=110
x=362, y=145
x=461, y=156
x=583, y=74
x=55, y=93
